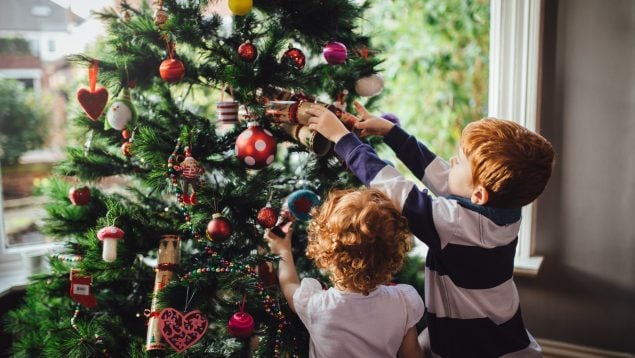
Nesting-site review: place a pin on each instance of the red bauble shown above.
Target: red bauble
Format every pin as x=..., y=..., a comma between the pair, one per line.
x=247, y=52
x=125, y=134
x=126, y=149
x=294, y=57
x=79, y=196
x=219, y=228
x=256, y=147
x=267, y=217
x=335, y=53
x=172, y=70
x=241, y=324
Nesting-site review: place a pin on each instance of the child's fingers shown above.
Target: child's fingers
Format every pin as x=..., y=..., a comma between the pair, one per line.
x=359, y=108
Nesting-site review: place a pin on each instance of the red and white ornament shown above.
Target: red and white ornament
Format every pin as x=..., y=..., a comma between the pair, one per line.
x=369, y=86
x=247, y=52
x=172, y=70
x=81, y=290
x=219, y=228
x=256, y=147
x=241, y=324
x=294, y=57
x=79, y=196
x=335, y=53
x=109, y=236
x=190, y=173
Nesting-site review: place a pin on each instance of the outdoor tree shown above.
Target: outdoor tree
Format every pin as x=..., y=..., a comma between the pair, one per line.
x=22, y=121
x=191, y=140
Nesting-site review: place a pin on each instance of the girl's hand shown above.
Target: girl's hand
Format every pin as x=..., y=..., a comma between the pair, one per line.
x=326, y=123
x=370, y=124
x=280, y=245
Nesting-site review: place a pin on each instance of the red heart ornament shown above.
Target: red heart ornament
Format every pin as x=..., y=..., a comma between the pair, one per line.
x=180, y=331
x=93, y=102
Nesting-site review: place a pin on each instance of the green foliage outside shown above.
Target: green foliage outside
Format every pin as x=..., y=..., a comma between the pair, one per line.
x=436, y=65
x=22, y=121
x=14, y=46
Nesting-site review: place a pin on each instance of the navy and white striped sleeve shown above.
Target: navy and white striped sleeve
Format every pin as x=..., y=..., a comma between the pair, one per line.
x=415, y=204
x=431, y=169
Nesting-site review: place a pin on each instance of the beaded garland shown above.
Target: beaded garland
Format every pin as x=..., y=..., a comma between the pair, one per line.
x=174, y=171
x=270, y=305
x=98, y=340
x=68, y=257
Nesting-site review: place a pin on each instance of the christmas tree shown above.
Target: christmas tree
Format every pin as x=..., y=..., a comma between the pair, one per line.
x=190, y=140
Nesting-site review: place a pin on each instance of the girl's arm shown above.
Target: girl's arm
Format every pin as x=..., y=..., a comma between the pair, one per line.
x=410, y=345
x=287, y=274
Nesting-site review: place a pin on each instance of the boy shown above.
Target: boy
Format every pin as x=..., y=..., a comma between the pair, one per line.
x=470, y=227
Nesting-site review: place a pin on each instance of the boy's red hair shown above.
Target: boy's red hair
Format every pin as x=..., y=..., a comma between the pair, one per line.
x=510, y=161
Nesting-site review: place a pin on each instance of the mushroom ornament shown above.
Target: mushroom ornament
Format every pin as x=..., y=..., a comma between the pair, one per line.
x=109, y=236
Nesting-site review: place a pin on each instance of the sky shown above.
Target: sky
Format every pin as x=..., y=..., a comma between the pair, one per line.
x=83, y=7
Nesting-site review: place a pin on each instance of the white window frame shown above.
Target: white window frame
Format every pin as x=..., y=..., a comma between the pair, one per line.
x=515, y=30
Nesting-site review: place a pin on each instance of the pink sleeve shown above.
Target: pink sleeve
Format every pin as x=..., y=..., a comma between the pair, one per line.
x=301, y=297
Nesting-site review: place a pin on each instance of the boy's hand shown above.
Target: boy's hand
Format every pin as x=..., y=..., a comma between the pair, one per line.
x=326, y=123
x=277, y=244
x=370, y=124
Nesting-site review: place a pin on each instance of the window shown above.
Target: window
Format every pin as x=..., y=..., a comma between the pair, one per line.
x=513, y=90
x=51, y=45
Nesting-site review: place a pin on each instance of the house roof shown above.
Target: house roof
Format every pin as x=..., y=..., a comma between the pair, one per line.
x=35, y=15
x=11, y=61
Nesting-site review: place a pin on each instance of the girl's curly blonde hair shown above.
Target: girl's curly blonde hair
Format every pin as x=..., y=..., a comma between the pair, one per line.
x=360, y=237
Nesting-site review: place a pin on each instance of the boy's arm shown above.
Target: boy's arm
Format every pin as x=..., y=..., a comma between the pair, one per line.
x=287, y=274
x=410, y=346
x=431, y=169
x=415, y=204
x=422, y=162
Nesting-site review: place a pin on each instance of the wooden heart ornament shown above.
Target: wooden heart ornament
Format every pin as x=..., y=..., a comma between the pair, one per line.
x=93, y=102
x=182, y=331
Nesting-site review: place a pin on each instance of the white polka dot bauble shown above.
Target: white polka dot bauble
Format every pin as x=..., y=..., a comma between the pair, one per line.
x=256, y=147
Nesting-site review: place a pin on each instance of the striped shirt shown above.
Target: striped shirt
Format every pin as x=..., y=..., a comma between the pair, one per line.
x=472, y=303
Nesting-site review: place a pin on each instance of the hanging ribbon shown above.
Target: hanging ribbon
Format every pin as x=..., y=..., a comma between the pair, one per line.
x=93, y=70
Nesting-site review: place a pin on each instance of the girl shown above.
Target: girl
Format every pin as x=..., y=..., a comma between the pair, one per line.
x=360, y=238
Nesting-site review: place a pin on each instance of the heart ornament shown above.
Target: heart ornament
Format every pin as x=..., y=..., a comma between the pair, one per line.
x=93, y=102
x=182, y=331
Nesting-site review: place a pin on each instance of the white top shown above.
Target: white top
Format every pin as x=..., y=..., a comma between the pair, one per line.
x=345, y=324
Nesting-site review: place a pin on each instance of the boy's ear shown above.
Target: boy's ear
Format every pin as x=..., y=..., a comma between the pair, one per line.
x=480, y=195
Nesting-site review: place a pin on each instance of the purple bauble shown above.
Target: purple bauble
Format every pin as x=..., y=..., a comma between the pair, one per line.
x=335, y=53
x=392, y=118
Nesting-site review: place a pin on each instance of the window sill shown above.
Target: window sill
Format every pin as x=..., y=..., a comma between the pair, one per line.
x=527, y=266
x=16, y=267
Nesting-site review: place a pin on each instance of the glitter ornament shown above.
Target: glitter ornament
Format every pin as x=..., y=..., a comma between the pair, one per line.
x=240, y=7
x=247, y=52
x=241, y=324
x=79, y=196
x=335, y=53
x=267, y=217
x=219, y=228
x=256, y=147
x=301, y=202
x=172, y=70
x=295, y=58
x=370, y=85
